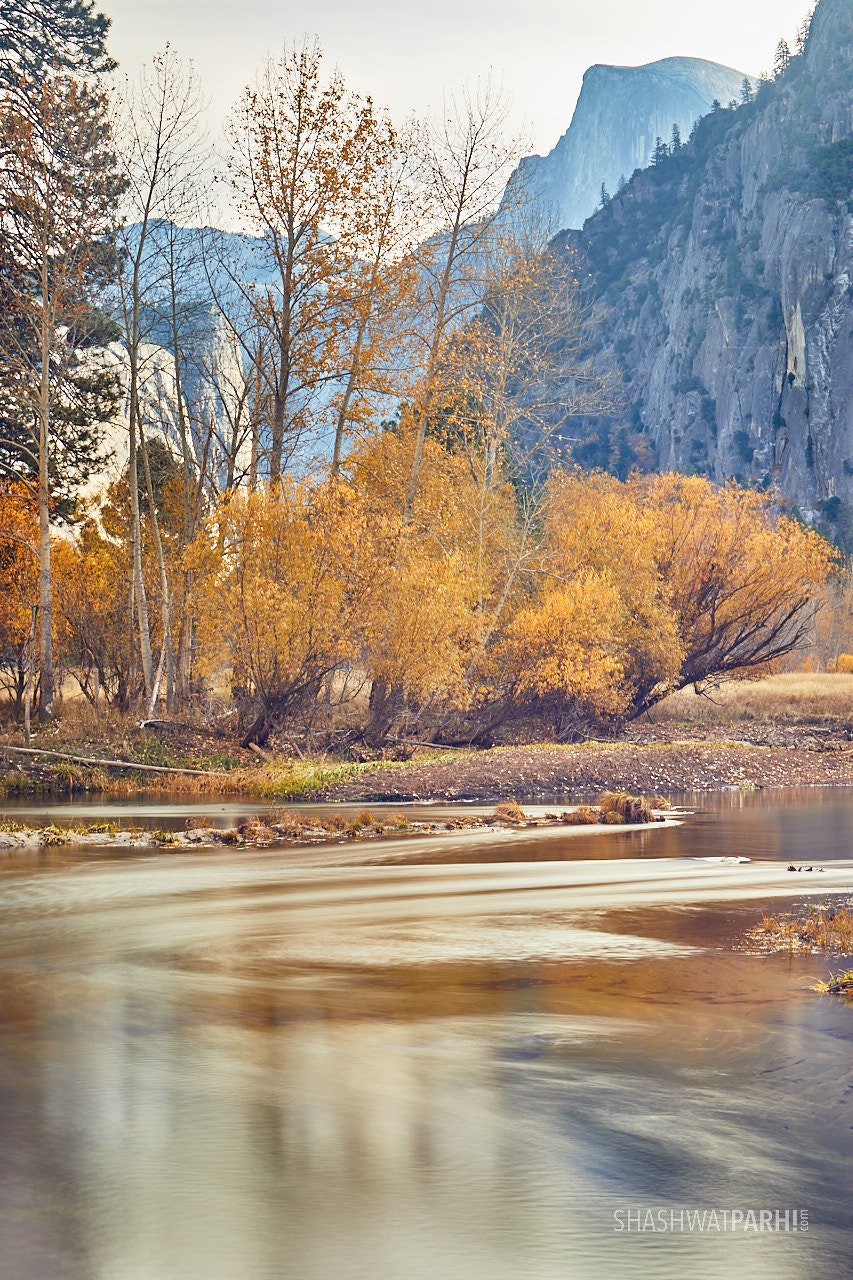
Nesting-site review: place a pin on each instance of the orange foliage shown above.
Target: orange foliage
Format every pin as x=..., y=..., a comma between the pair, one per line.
x=710, y=581
x=18, y=584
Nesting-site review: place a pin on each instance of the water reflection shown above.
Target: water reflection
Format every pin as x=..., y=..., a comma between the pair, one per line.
x=256, y=1067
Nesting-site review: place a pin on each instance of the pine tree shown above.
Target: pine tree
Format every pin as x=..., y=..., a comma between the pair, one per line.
x=660, y=152
x=746, y=92
x=803, y=31
x=605, y=196
x=782, y=59
x=66, y=35
x=675, y=141
x=621, y=184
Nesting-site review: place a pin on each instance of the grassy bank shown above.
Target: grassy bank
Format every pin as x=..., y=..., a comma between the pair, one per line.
x=779, y=711
x=275, y=779
x=800, y=697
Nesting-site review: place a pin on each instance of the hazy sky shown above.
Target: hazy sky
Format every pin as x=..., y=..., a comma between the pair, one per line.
x=406, y=54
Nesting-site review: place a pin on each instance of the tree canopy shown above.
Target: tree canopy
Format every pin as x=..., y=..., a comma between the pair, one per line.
x=37, y=36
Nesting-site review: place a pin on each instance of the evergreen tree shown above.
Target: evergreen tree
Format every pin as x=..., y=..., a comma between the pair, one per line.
x=746, y=91
x=716, y=106
x=621, y=184
x=675, y=141
x=782, y=59
x=605, y=196
x=803, y=31
x=660, y=152
x=66, y=35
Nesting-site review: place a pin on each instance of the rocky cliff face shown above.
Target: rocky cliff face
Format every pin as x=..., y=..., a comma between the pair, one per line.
x=725, y=274
x=620, y=114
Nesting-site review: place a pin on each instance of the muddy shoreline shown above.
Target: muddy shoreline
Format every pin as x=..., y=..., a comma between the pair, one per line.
x=576, y=773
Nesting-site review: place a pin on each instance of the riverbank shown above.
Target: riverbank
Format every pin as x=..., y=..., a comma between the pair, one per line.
x=577, y=771
x=649, y=766
x=787, y=730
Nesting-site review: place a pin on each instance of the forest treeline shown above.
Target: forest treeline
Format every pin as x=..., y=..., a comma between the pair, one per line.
x=360, y=513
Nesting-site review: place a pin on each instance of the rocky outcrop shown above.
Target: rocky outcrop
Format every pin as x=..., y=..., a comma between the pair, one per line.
x=619, y=116
x=725, y=274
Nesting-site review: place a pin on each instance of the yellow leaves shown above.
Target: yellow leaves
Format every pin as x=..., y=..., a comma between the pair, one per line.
x=18, y=564
x=730, y=562
x=566, y=646
x=421, y=623
x=280, y=594
x=710, y=579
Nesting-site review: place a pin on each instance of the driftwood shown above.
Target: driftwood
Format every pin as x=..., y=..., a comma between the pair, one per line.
x=111, y=764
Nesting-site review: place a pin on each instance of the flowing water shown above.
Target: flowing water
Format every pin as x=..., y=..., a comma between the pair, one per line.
x=474, y=1057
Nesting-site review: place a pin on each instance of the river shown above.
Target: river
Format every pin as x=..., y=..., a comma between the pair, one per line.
x=478, y=1056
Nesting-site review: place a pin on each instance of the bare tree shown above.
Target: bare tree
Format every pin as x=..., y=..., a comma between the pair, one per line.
x=165, y=155
x=303, y=162
x=465, y=165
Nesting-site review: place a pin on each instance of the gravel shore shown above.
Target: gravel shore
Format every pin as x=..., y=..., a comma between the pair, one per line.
x=576, y=772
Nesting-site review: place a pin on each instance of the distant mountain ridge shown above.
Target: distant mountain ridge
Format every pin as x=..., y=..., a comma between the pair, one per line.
x=620, y=113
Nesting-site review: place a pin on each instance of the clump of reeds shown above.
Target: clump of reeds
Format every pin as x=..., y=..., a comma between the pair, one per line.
x=510, y=811
x=256, y=831
x=585, y=816
x=837, y=984
x=161, y=836
x=823, y=928
x=625, y=808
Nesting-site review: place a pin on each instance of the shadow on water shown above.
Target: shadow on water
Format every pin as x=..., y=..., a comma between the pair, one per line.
x=462, y=1057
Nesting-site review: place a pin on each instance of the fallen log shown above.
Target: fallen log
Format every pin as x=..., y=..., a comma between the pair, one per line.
x=111, y=764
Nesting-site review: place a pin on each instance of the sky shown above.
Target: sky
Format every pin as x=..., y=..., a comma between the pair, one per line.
x=408, y=53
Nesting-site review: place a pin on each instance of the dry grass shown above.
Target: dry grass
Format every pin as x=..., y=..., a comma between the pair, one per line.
x=626, y=807
x=585, y=816
x=510, y=811
x=800, y=696
x=614, y=808
x=824, y=928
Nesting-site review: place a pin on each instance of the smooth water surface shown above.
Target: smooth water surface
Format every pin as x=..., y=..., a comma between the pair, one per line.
x=463, y=1058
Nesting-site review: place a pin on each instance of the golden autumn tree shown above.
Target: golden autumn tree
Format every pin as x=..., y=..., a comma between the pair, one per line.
x=311, y=170
x=669, y=580
x=562, y=654
x=378, y=292
x=18, y=589
x=283, y=577
x=741, y=578
x=90, y=615
x=421, y=621
x=92, y=571
x=595, y=525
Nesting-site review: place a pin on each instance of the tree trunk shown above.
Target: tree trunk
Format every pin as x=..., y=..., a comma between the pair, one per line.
x=46, y=660
x=164, y=582
x=385, y=703
x=136, y=539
